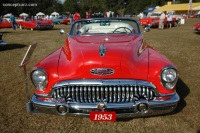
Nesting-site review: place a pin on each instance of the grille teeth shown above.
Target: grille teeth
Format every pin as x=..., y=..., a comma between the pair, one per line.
x=112, y=94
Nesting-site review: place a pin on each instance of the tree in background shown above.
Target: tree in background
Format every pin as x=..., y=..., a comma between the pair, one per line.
x=71, y=6
x=120, y=7
x=92, y=6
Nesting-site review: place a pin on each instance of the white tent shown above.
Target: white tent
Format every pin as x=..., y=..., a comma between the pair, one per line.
x=23, y=14
x=40, y=14
x=108, y=14
x=7, y=15
x=196, y=8
x=55, y=14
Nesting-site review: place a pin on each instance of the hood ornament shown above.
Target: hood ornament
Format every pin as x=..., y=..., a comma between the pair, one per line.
x=102, y=50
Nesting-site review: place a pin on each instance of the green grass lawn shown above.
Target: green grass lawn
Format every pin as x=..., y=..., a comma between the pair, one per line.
x=180, y=44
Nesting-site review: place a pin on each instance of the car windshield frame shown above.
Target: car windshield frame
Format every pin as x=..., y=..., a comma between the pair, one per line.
x=155, y=14
x=105, y=23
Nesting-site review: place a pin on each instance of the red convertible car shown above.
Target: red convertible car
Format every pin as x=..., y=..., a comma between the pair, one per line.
x=36, y=24
x=4, y=23
x=105, y=66
x=196, y=27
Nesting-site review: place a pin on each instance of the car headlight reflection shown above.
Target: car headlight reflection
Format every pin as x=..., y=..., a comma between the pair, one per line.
x=39, y=79
x=169, y=78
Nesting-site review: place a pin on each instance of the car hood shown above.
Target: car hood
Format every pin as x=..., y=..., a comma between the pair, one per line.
x=123, y=55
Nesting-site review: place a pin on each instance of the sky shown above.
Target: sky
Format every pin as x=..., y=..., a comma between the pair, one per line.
x=62, y=1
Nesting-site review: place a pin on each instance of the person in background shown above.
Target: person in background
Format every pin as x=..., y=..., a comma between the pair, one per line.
x=149, y=14
x=141, y=15
x=12, y=19
x=161, y=21
x=169, y=20
x=21, y=17
x=47, y=17
x=25, y=18
x=76, y=16
x=71, y=18
x=105, y=15
x=88, y=15
x=144, y=15
x=50, y=17
x=1, y=19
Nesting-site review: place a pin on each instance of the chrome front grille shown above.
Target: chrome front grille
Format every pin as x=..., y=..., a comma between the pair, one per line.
x=88, y=93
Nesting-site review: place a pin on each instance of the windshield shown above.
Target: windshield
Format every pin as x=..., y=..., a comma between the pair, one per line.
x=105, y=26
x=155, y=14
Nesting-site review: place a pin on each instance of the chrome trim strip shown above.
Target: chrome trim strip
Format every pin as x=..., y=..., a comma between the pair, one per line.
x=163, y=95
x=104, y=82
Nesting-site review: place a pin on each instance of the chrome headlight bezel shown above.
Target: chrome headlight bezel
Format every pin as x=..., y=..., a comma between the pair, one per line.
x=39, y=78
x=169, y=77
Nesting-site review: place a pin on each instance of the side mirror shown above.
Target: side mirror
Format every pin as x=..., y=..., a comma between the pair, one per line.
x=147, y=29
x=62, y=31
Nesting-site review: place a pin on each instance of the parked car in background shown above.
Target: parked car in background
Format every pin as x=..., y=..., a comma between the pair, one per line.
x=57, y=20
x=65, y=21
x=105, y=66
x=4, y=23
x=196, y=27
x=195, y=16
x=154, y=15
x=154, y=22
x=36, y=24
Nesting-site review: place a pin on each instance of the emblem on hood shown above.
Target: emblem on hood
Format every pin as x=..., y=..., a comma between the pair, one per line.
x=102, y=50
x=102, y=71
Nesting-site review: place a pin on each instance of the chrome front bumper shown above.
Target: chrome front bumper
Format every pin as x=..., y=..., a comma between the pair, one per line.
x=132, y=109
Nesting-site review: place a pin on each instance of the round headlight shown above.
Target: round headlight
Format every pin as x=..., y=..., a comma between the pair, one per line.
x=169, y=78
x=39, y=79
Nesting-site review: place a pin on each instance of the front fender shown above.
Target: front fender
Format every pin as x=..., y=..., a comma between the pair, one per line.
x=50, y=65
x=157, y=62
